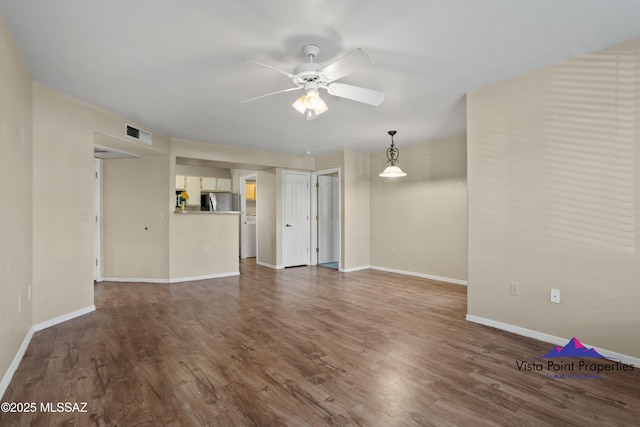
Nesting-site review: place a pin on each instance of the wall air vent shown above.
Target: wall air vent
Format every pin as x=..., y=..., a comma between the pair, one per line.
x=138, y=134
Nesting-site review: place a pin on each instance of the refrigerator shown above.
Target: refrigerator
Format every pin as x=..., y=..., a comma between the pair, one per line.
x=220, y=202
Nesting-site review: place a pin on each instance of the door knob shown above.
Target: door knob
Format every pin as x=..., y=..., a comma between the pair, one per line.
x=288, y=225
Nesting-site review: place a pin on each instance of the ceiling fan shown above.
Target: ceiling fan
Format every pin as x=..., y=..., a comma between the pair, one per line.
x=312, y=76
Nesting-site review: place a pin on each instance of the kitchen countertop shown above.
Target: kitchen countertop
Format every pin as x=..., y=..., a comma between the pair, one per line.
x=190, y=212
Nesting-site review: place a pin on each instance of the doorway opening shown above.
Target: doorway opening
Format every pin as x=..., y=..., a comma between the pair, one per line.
x=326, y=230
x=248, y=216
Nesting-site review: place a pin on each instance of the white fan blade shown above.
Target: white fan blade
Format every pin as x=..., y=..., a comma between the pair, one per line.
x=291, y=76
x=356, y=93
x=350, y=63
x=272, y=93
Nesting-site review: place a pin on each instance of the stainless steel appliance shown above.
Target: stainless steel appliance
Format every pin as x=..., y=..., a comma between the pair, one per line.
x=220, y=202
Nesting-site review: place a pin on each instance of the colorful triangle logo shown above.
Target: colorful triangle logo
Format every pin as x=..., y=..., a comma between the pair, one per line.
x=574, y=348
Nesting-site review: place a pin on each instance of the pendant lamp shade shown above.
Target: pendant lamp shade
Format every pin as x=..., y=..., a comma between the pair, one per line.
x=392, y=171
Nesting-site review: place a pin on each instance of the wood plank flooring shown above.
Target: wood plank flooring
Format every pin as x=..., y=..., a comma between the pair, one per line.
x=306, y=346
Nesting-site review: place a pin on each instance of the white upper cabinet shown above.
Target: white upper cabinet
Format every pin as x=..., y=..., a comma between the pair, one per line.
x=209, y=184
x=224, y=184
x=215, y=184
x=180, y=182
x=193, y=189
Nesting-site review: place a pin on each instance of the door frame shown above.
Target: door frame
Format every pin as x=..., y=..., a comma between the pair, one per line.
x=243, y=211
x=314, y=214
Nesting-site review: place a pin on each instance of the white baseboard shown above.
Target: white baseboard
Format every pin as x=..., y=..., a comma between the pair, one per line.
x=133, y=279
x=172, y=280
x=204, y=277
x=551, y=339
x=352, y=269
x=51, y=322
x=275, y=267
x=422, y=275
x=13, y=367
x=343, y=270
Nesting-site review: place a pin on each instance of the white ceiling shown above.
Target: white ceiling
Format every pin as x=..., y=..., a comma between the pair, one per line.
x=182, y=67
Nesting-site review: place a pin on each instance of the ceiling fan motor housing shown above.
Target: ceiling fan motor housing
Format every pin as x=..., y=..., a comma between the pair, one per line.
x=308, y=71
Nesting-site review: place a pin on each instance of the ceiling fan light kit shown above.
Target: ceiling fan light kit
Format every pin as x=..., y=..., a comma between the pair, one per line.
x=312, y=108
x=392, y=171
x=312, y=76
x=310, y=104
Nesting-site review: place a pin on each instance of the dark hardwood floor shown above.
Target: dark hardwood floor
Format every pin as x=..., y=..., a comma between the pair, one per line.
x=306, y=346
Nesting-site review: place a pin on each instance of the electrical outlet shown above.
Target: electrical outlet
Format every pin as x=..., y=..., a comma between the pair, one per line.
x=393, y=251
x=19, y=304
x=515, y=288
x=555, y=296
x=29, y=293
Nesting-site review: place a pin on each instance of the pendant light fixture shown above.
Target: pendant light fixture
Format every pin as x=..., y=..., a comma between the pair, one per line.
x=392, y=171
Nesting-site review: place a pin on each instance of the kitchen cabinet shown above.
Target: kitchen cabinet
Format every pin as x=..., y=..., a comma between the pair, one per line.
x=223, y=184
x=180, y=182
x=209, y=184
x=251, y=191
x=192, y=188
x=215, y=184
x=195, y=186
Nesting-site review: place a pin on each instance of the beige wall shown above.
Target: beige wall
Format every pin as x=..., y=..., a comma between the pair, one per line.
x=207, y=171
x=224, y=153
x=204, y=245
x=63, y=177
x=330, y=161
x=419, y=222
x=554, y=185
x=64, y=132
x=113, y=128
x=135, y=218
x=15, y=190
x=356, y=209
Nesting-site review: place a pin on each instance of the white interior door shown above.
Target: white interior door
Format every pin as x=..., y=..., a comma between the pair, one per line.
x=243, y=218
x=96, y=221
x=295, y=227
x=328, y=219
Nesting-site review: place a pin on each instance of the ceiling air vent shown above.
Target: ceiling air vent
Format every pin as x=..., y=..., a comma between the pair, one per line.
x=139, y=134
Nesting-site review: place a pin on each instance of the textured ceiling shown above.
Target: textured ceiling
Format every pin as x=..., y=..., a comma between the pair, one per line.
x=182, y=67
